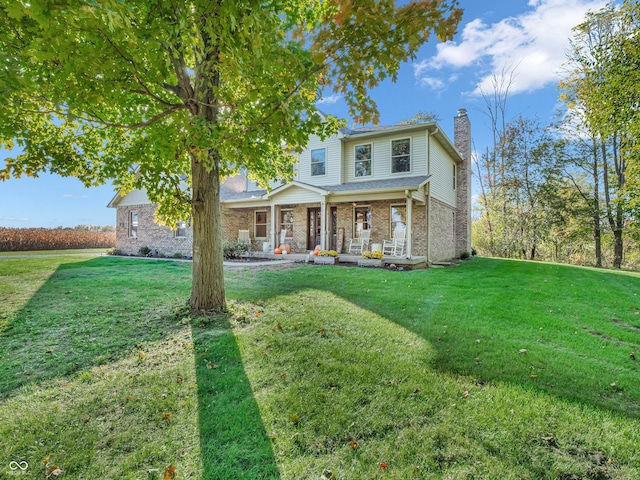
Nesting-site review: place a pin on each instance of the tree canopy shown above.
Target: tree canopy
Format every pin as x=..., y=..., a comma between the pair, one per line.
x=144, y=91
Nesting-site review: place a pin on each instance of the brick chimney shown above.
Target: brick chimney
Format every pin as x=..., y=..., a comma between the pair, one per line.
x=462, y=142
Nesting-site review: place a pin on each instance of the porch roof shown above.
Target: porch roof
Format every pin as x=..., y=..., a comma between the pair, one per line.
x=362, y=187
x=386, y=184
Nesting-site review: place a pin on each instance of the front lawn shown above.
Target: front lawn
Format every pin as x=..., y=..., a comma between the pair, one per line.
x=494, y=369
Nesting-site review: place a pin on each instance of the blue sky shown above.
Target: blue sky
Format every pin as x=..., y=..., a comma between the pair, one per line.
x=528, y=37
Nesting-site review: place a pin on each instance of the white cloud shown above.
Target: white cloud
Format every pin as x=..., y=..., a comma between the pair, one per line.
x=77, y=197
x=14, y=219
x=331, y=99
x=432, y=82
x=532, y=44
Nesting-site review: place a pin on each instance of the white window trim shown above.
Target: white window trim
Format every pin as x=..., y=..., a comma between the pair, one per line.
x=255, y=213
x=178, y=229
x=455, y=180
x=353, y=215
x=130, y=223
x=410, y=156
x=356, y=177
x=396, y=205
x=311, y=162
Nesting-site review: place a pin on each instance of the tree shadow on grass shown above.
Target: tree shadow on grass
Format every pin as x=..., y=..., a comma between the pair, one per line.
x=86, y=314
x=233, y=441
x=98, y=311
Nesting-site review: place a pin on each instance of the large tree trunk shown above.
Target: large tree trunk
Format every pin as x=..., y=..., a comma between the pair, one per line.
x=207, y=287
x=617, y=238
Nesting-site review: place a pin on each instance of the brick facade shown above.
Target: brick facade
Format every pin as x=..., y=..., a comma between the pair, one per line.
x=462, y=142
x=442, y=231
x=157, y=237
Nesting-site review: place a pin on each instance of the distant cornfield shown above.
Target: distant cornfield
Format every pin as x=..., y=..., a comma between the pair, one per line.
x=24, y=239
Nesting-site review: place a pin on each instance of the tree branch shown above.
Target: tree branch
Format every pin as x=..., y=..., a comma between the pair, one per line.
x=95, y=118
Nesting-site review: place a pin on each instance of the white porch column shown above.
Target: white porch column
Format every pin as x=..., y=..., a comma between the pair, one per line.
x=323, y=224
x=273, y=228
x=409, y=202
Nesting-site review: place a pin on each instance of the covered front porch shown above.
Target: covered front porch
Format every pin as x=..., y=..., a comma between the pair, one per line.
x=303, y=217
x=346, y=258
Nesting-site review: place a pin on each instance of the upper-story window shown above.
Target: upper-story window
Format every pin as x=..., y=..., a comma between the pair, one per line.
x=363, y=160
x=133, y=224
x=318, y=161
x=401, y=155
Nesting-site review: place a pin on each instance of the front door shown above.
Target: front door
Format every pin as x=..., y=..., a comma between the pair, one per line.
x=314, y=226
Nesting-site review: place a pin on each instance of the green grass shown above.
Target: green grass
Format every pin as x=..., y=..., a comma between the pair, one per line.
x=421, y=371
x=77, y=251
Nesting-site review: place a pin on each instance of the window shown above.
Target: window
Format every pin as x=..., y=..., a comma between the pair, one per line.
x=401, y=155
x=363, y=160
x=318, y=162
x=133, y=224
x=454, y=176
x=181, y=229
x=260, y=224
x=361, y=220
x=398, y=218
x=286, y=222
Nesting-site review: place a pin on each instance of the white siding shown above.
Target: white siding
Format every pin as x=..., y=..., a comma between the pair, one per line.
x=134, y=197
x=442, y=174
x=332, y=174
x=295, y=195
x=381, y=156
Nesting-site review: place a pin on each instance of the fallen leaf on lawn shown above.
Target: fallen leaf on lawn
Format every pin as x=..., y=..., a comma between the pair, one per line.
x=384, y=466
x=283, y=375
x=334, y=389
x=52, y=471
x=212, y=366
x=45, y=460
x=466, y=393
x=295, y=418
x=141, y=355
x=179, y=379
x=279, y=325
x=166, y=416
x=327, y=475
x=353, y=444
x=169, y=472
x=272, y=435
x=321, y=330
x=523, y=350
x=533, y=376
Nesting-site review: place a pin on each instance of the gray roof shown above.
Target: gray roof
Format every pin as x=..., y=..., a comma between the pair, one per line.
x=388, y=183
x=230, y=195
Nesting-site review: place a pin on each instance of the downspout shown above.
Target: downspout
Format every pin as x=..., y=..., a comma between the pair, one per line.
x=409, y=203
x=428, y=193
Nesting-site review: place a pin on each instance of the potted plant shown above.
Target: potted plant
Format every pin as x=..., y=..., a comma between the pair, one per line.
x=371, y=259
x=326, y=257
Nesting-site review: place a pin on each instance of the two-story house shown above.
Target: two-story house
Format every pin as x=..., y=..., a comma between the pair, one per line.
x=408, y=178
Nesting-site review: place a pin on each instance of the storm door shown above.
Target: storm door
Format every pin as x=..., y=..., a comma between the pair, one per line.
x=314, y=227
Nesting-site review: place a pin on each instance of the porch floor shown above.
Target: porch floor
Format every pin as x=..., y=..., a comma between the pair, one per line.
x=413, y=262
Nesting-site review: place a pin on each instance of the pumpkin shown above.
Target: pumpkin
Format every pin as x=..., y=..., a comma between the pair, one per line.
x=316, y=252
x=278, y=251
